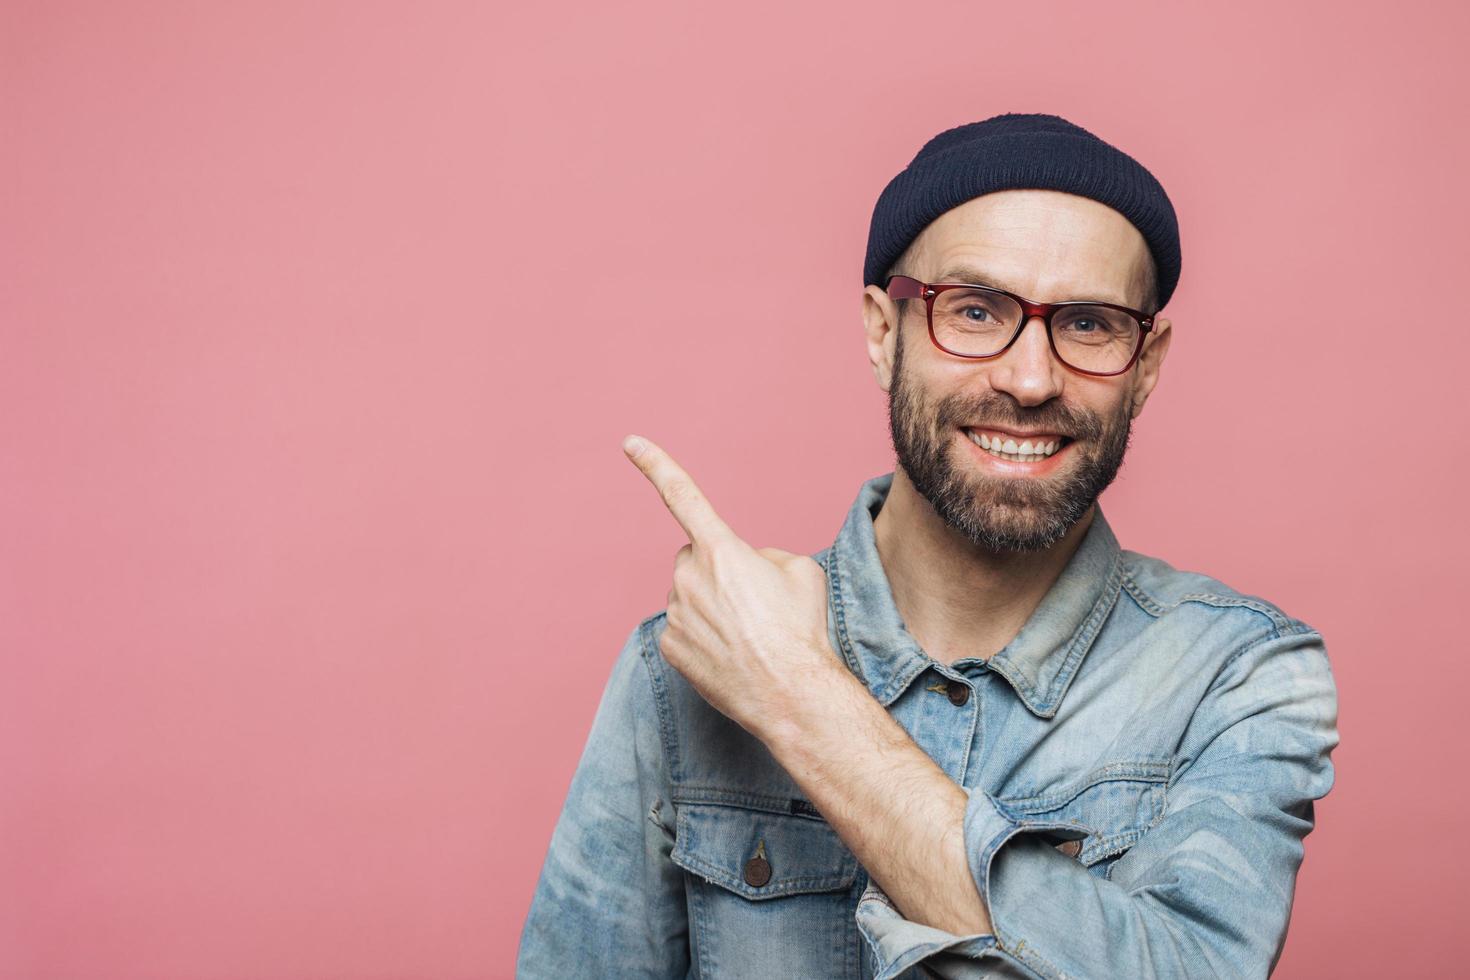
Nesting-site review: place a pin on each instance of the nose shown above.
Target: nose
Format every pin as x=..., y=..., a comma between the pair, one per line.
x=1028, y=370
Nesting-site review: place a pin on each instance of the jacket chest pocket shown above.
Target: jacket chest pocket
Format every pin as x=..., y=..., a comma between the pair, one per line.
x=770, y=894
x=1107, y=811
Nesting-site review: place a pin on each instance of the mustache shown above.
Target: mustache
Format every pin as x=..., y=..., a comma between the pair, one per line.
x=1003, y=410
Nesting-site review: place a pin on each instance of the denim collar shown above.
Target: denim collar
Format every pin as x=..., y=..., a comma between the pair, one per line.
x=1038, y=663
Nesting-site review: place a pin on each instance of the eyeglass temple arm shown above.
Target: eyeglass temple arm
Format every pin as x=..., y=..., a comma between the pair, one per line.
x=905, y=287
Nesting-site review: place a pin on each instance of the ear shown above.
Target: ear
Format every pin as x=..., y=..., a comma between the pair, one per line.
x=1150, y=362
x=880, y=323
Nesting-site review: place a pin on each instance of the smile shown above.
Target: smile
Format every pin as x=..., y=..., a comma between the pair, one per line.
x=1004, y=446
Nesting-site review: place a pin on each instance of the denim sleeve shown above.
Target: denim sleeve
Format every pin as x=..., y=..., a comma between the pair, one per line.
x=1206, y=892
x=609, y=901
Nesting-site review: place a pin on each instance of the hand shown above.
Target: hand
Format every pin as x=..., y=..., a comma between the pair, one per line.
x=746, y=627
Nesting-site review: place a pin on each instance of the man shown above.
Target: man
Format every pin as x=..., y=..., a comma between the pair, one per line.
x=973, y=737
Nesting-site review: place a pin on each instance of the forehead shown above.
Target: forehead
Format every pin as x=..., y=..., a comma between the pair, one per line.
x=1048, y=246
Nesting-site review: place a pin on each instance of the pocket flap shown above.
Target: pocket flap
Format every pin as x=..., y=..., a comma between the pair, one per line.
x=1112, y=806
x=793, y=853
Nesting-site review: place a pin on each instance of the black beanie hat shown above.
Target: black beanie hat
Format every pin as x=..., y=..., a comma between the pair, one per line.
x=1013, y=151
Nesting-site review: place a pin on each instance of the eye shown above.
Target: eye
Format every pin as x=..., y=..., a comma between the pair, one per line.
x=982, y=314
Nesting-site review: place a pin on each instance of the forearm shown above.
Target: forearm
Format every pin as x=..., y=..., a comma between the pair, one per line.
x=893, y=807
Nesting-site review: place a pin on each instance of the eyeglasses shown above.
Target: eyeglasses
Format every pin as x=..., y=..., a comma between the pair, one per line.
x=966, y=320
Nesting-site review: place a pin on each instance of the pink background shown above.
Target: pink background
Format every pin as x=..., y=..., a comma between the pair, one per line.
x=318, y=543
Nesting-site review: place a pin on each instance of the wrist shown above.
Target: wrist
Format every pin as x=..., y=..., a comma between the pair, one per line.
x=826, y=708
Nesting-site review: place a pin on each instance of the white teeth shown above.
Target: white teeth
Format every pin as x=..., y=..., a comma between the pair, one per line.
x=1027, y=451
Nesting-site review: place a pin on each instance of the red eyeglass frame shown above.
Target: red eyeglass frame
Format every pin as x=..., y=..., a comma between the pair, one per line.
x=907, y=287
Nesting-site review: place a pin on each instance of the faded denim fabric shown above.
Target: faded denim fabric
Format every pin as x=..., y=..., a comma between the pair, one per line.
x=1141, y=763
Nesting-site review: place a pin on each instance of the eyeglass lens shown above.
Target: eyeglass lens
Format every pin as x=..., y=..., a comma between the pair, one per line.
x=977, y=323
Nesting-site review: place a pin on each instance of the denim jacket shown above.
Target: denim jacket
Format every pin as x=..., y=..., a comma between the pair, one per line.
x=1140, y=764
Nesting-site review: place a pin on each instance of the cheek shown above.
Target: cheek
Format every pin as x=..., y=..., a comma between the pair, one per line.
x=1107, y=399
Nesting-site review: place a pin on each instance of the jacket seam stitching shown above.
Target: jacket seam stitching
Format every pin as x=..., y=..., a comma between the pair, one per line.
x=715, y=796
x=1145, y=601
x=1219, y=600
x=668, y=742
x=839, y=613
x=1215, y=600
x=1131, y=772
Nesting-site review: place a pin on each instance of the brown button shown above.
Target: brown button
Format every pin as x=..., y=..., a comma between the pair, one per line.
x=958, y=693
x=1071, y=848
x=757, y=871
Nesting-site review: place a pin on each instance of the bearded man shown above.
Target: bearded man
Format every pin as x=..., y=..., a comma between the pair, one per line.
x=974, y=737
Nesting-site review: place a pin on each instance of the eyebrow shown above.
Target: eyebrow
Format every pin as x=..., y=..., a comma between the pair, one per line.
x=977, y=277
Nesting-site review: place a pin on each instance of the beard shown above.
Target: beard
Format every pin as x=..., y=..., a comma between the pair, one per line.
x=1003, y=514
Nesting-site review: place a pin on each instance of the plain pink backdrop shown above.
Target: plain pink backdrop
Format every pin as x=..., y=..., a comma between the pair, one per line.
x=320, y=325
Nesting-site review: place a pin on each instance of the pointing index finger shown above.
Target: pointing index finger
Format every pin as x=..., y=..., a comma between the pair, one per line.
x=679, y=492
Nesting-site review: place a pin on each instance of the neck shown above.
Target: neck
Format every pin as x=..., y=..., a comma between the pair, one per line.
x=956, y=598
